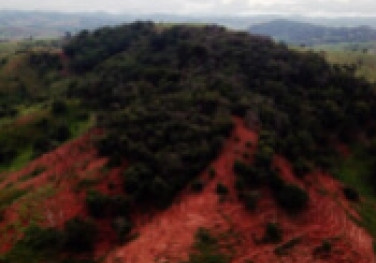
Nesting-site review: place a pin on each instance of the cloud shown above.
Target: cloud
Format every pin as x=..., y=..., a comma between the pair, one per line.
x=224, y=7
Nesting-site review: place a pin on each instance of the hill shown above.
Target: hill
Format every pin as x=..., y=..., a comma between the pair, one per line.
x=17, y=25
x=301, y=33
x=225, y=141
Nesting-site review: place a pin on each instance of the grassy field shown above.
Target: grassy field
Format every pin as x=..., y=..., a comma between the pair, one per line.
x=355, y=172
x=362, y=55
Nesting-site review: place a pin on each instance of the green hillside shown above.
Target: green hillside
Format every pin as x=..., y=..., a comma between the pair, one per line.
x=164, y=98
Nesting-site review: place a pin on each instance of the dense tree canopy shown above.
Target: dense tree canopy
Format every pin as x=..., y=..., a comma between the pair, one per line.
x=166, y=95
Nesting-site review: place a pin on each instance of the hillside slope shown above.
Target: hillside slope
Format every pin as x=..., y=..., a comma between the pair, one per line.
x=208, y=145
x=168, y=236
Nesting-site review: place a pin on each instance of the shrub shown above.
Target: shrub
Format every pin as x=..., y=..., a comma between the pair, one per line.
x=284, y=248
x=242, y=169
x=59, y=107
x=273, y=233
x=119, y=205
x=38, y=238
x=324, y=248
x=122, y=227
x=221, y=189
x=61, y=133
x=206, y=249
x=41, y=145
x=197, y=186
x=211, y=172
x=292, y=198
x=351, y=194
x=250, y=199
x=79, y=235
x=240, y=184
x=249, y=144
x=97, y=203
x=301, y=167
x=275, y=182
x=246, y=155
x=263, y=157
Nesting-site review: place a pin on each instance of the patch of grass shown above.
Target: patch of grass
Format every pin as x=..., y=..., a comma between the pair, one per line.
x=37, y=171
x=207, y=249
x=362, y=55
x=86, y=183
x=19, y=161
x=30, y=209
x=9, y=195
x=273, y=233
x=355, y=171
x=286, y=247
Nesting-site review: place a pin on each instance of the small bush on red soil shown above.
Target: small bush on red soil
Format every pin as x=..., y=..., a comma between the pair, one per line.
x=292, y=198
x=252, y=177
x=122, y=227
x=119, y=205
x=38, y=238
x=351, y=194
x=273, y=233
x=301, y=167
x=79, y=235
x=250, y=199
x=221, y=189
x=211, y=172
x=197, y=186
x=324, y=249
x=133, y=179
x=249, y=144
x=263, y=157
x=97, y=203
x=59, y=107
x=206, y=249
x=61, y=133
x=242, y=169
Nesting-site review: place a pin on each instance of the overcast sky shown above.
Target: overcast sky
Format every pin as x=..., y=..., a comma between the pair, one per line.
x=215, y=7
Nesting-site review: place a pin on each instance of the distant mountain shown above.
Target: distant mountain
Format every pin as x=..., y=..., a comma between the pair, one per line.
x=24, y=24
x=309, y=34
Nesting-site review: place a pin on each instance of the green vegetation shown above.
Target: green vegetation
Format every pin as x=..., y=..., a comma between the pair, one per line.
x=286, y=247
x=164, y=98
x=357, y=171
x=43, y=244
x=197, y=186
x=362, y=60
x=207, y=249
x=292, y=198
x=273, y=233
x=8, y=196
x=324, y=249
x=37, y=171
x=221, y=189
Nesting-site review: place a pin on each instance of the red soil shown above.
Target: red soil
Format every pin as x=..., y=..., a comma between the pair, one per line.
x=62, y=170
x=168, y=236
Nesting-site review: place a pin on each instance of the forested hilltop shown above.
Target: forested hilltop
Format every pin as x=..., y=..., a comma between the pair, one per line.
x=164, y=100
